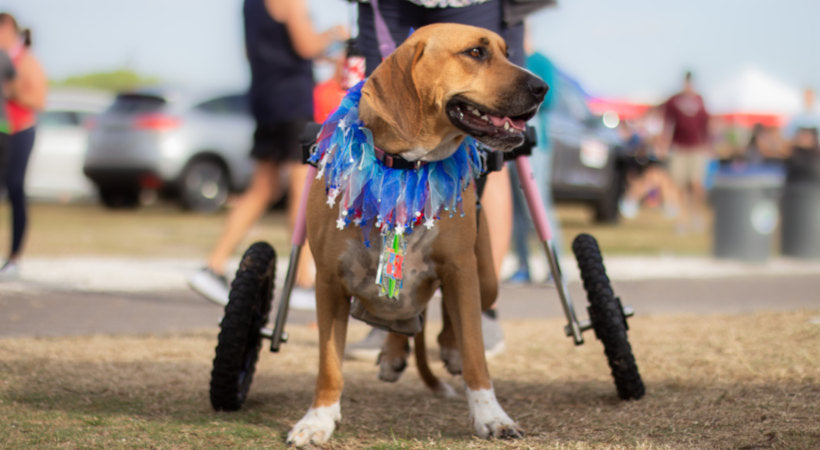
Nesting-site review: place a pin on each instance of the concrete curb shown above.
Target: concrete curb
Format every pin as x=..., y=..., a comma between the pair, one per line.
x=103, y=274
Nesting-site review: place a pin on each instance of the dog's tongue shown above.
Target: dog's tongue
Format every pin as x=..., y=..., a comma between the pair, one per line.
x=516, y=124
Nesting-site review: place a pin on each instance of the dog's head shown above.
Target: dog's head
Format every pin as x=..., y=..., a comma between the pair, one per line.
x=444, y=82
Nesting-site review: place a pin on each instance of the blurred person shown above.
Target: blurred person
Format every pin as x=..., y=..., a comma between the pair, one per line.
x=645, y=174
x=26, y=96
x=686, y=130
x=541, y=160
x=763, y=148
x=807, y=119
x=7, y=73
x=280, y=43
x=401, y=17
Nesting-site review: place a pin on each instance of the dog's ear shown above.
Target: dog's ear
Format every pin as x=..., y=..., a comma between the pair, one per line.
x=392, y=94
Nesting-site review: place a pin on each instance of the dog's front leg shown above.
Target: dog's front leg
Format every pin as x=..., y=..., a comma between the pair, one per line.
x=460, y=293
x=332, y=308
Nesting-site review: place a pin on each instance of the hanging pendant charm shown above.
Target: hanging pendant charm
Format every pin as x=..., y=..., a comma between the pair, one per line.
x=389, y=274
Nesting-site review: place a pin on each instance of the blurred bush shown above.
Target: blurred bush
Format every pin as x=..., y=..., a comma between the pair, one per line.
x=115, y=81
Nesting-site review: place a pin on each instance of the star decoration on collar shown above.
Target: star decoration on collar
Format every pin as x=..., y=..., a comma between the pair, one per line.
x=331, y=196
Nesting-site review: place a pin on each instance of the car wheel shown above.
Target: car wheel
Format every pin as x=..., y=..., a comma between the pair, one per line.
x=204, y=186
x=119, y=197
x=606, y=208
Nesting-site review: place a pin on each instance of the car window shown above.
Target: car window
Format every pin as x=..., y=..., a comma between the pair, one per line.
x=229, y=104
x=59, y=118
x=137, y=104
x=572, y=101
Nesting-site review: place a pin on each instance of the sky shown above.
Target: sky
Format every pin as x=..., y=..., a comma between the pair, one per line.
x=625, y=49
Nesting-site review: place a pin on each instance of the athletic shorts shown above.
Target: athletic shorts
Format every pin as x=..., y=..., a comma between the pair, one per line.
x=402, y=16
x=687, y=166
x=278, y=142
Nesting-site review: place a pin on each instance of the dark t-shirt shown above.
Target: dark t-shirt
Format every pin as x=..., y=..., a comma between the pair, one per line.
x=281, y=81
x=688, y=118
x=7, y=73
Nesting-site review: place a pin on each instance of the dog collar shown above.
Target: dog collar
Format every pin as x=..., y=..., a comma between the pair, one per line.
x=372, y=192
x=396, y=161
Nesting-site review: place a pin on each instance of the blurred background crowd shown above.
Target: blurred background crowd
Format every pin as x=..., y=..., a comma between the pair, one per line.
x=148, y=101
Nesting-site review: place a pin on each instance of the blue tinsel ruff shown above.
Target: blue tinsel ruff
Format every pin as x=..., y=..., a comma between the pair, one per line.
x=371, y=194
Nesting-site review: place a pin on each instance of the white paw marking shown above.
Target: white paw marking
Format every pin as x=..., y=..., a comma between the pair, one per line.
x=316, y=426
x=488, y=418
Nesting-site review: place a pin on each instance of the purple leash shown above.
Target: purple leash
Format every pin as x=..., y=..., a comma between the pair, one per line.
x=386, y=42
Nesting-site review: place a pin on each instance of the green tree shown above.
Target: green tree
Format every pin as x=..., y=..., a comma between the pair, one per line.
x=117, y=80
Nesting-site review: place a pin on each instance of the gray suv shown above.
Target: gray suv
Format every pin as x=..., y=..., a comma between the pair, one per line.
x=587, y=164
x=190, y=147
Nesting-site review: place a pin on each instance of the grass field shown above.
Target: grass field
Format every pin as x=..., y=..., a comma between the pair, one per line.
x=750, y=381
x=165, y=231
x=743, y=381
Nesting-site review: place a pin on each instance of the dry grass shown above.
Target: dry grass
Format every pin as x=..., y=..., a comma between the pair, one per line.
x=749, y=381
x=165, y=231
x=160, y=231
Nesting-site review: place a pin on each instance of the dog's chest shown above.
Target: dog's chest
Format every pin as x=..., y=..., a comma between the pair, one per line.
x=359, y=266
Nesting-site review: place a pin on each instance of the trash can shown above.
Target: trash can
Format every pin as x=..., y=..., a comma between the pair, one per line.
x=800, y=211
x=746, y=213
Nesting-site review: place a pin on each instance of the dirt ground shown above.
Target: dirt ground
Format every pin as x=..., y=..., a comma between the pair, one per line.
x=721, y=381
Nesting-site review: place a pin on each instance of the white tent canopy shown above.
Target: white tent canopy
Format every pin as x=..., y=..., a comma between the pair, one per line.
x=754, y=91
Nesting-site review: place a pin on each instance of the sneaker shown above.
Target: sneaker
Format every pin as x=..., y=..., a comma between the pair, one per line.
x=303, y=299
x=628, y=208
x=10, y=271
x=492, y=333
x=520, y=276
x=210, y=285
x=368, y=348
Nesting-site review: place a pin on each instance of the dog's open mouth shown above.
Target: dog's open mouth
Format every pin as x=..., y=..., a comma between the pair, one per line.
x=499, y=131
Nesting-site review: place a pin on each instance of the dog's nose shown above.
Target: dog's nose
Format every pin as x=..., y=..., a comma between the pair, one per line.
x=537, y=87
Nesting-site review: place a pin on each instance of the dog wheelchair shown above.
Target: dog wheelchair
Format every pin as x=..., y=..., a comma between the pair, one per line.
x=243, y=327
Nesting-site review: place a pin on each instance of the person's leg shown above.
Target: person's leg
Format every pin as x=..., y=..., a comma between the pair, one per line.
x=497, y=203
x=520, y=230
x=20, y=145
x=669, y=192
x=677, y=164
x=699, y=162
x=249, y=208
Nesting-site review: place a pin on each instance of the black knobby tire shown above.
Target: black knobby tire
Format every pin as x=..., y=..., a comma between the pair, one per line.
x=239, y=338
x=607, y=317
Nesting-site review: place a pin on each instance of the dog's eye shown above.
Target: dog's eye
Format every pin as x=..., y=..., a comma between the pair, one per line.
x=479, y=53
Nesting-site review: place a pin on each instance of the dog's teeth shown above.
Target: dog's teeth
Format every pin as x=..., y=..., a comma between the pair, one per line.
x=475, y=112
x=485, y=118
x=506, y=126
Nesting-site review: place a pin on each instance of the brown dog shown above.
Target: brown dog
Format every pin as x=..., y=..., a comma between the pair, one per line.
x=445, y=82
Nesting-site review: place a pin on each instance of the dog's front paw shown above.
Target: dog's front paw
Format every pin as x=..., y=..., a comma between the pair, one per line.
x=488, y=418
x=452, y=359
x=316, y=426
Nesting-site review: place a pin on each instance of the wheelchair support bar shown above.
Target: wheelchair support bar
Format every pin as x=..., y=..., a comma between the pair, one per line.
x=542, y=227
